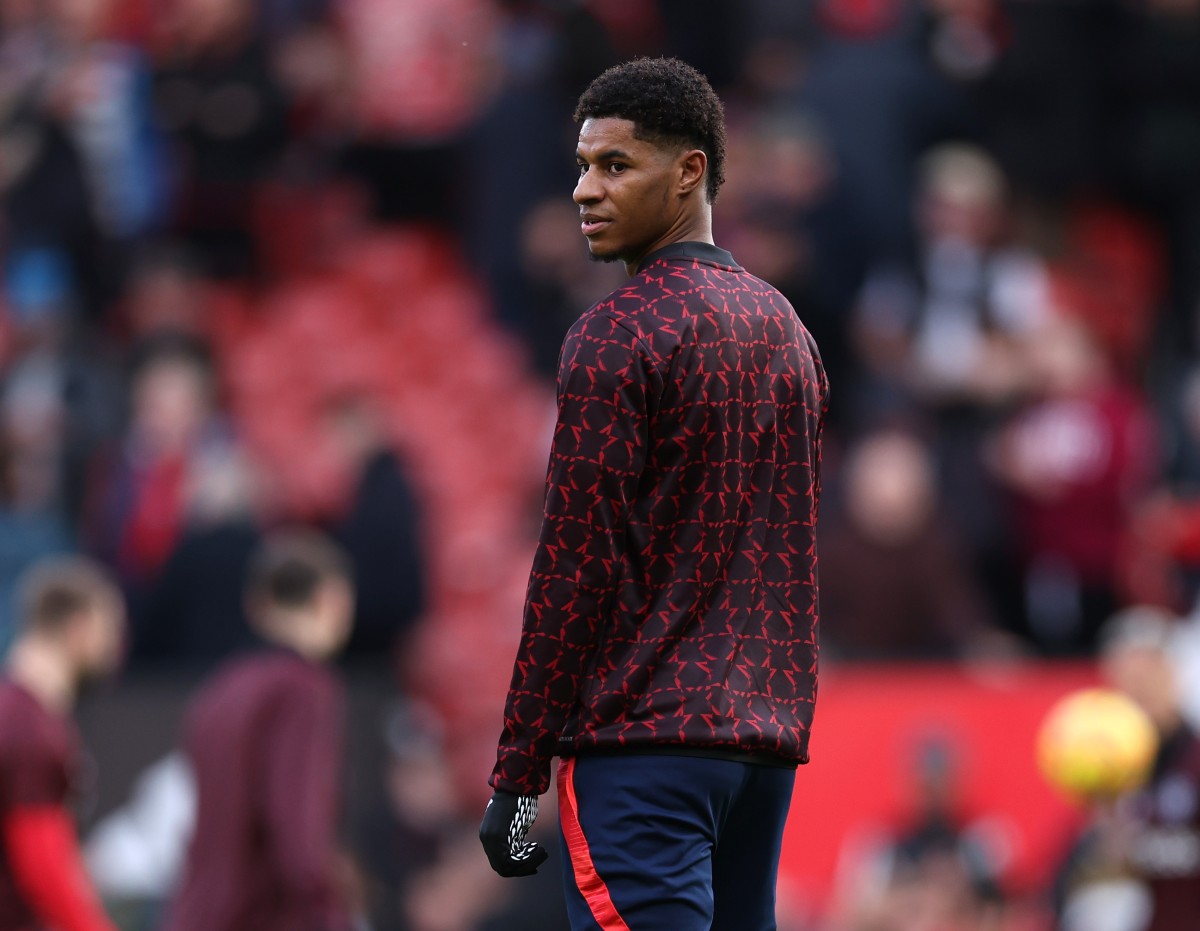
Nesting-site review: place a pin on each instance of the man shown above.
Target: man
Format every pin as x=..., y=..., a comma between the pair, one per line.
x=669, y=646
x=1162, y=843
x=264, y=741
x=71, y=632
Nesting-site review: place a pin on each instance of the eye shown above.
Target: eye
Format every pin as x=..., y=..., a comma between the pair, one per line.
x=582, y=166
x=616, y=168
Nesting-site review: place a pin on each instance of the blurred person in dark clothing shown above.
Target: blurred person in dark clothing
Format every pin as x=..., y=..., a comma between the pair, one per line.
x=948, y=326
x=72, y=629
x=1075, y=461
x=137, y=496
x=195, y=614
x=1138, y=656
x=264, y=738
x=1136, y=867
x=1035, y=81
x=930, y=872
x=28, y=533
x=46, y=205
x=783, y=214
x=101, y=90
x=380, y=531
x=945, y=332
x=869, y=83
x=224, y=110
x=922, y=599
x=1157, y=136
x=398, y=842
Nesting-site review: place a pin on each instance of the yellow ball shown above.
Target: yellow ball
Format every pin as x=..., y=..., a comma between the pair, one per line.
x=1096, y=744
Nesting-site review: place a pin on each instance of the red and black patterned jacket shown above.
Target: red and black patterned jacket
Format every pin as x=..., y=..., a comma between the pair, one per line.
x=673, y=597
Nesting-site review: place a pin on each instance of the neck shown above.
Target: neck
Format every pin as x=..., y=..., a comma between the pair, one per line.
x=43, y=669
x=690, y=226
x=296, y=632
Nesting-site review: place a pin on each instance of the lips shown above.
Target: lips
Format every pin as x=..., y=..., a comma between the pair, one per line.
x=590, y=224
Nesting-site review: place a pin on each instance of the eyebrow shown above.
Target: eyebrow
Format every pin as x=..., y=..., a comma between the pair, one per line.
x=605, y=156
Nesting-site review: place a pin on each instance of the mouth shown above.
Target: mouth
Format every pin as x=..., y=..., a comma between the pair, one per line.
x=590, y=225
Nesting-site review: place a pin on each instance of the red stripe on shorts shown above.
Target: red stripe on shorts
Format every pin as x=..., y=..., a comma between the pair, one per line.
x=593, y=888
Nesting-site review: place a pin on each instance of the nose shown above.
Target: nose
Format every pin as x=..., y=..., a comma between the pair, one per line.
x=587, y=190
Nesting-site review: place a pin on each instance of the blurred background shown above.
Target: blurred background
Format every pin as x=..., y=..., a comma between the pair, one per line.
x=277, y=261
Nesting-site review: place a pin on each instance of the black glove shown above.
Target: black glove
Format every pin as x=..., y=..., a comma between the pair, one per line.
x=506, y=821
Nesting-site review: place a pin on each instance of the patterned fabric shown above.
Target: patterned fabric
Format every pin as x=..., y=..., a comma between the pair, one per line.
x=673, y=597
x=527, y=810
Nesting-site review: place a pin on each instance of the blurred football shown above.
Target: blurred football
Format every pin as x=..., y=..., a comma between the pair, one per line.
x=1096, y=744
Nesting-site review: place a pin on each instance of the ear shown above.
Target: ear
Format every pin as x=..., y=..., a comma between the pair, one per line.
x=693, y=166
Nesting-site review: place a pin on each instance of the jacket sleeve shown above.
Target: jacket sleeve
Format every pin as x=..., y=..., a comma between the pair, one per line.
x=606, y=387
x=43, y=853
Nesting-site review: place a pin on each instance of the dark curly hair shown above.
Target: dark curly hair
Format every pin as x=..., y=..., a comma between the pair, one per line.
x=669, y=102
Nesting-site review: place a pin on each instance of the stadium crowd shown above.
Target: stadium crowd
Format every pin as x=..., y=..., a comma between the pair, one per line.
x=273, y=262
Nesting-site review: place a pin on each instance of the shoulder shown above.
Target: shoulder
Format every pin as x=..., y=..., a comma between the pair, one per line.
x=604, y=337
x=37, y=750
x=263, y=677
x=25, y=724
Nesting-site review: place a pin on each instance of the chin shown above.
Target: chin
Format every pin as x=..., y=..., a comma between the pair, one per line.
x=598, y=253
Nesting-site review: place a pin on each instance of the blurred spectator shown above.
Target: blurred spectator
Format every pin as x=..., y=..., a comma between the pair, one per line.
x=520, y=152
x=932, y=874
x=784, y=218
x=946, y=333
x=402, y=840
x=28, y=534
x=1158, y=139
x=73, y=622
x=220, y=101
x=1075, y=460
x=163, y=295
x=951, y=327
x=1037, y=78
x=380, y=530
x=881, y=103
x=1138, y=866
x=420, y=853
x=137, y=511
x=922, y=600
x=102, y=91
x=263, y=738
x=46, y=208
x=195, y=612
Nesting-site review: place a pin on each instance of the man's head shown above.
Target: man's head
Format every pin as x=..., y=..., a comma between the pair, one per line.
x=72, y=604
x=299, y=593
x=651, y=157
x=1137, y=657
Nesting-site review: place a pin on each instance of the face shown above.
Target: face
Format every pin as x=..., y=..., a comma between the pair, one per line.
x=891, y=488
x=634, y=196
x=332, y=617
x=171, y=402
x=1148, y=677
x=99, y=635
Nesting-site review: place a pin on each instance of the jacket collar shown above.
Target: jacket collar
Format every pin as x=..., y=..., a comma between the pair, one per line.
x=698, y=251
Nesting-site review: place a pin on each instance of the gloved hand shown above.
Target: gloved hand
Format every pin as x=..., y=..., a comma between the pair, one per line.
x=506, y=821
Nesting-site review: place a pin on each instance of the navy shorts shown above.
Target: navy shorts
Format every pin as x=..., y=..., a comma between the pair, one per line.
x=671, y=843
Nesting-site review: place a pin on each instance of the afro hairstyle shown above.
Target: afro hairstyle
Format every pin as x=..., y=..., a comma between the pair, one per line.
x=669, y=102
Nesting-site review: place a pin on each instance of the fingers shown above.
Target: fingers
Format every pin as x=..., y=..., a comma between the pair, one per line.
x=502, y=833
x=526, y=864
